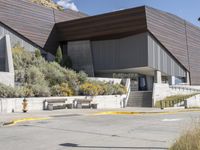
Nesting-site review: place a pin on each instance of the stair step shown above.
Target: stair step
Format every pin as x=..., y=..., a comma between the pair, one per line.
x=140, y=99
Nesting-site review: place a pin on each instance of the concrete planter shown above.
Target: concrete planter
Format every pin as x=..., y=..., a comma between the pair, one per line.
x=7, y=105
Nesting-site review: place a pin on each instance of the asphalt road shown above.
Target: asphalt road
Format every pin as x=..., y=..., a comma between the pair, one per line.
x=98, y=132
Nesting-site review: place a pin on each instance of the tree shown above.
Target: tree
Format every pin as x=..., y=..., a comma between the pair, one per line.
x=59, y=56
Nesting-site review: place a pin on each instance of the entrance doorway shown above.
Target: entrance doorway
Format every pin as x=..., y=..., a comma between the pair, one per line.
x=142, y=85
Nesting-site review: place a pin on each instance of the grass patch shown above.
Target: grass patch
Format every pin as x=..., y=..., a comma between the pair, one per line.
x=190, y=140
x=170, y=101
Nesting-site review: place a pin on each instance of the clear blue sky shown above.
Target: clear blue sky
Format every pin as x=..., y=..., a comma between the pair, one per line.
x=187, y=9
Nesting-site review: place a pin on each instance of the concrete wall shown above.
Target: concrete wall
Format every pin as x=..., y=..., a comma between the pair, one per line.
x=15, y=39
x=7, y=71
x=193, y=101
x=36, y=104
x=121, y=53
x=2, y=54
x=81, y=56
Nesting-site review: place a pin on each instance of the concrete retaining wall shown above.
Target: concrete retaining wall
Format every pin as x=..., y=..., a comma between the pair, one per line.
x=7, y=105
x=161, y=91
x=193, y=101
x=113, y=80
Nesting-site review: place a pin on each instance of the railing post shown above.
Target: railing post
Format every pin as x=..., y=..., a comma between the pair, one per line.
x=161, y=105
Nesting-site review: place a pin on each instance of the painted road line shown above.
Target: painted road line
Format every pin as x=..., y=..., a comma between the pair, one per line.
x=171, y=120
x=132, y=113
x=14, y=122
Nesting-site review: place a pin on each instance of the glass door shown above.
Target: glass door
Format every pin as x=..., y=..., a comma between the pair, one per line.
x=142, y=83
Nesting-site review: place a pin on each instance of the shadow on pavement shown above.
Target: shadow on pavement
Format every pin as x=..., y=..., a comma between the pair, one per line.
x=107, y=147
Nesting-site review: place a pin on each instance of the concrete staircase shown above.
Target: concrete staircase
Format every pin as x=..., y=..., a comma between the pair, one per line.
x=140, y=99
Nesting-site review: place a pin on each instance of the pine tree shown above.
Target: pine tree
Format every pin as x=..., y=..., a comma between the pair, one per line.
x=59, y=56
x=37, y=53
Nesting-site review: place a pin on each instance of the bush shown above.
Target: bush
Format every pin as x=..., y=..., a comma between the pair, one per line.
x=94, y=88
x=40, y=90
x=37, y=53
x=6, y=91
x=82, y=77
x=119, y=89
x=89, y=89
x=61, y=90
x=52, y=74
x=34, y=76
x=190, y=140
x=108, y=89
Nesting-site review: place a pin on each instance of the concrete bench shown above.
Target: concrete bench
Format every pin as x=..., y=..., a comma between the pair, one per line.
x=84, y=103
x=52, y=104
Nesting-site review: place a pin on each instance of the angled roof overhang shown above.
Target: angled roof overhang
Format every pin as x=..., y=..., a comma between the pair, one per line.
x=167, y=28
x=105, y=26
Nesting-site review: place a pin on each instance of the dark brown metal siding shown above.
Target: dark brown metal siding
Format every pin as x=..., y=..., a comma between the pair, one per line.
x=193, y=38
x=170, y=32
x=33, y=21
x=111, y=25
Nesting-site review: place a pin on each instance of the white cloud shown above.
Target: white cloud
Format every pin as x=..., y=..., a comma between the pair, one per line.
x=67, y=4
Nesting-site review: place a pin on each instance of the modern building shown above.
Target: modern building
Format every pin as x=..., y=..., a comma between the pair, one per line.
x=143, y=43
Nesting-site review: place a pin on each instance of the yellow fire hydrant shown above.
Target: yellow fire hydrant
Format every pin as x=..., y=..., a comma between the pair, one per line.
x=25, y=105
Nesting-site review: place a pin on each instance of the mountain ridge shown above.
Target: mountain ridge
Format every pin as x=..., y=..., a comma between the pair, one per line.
x=48, y=3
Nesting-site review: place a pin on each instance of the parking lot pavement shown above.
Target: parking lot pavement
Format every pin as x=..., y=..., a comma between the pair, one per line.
x=97, y=132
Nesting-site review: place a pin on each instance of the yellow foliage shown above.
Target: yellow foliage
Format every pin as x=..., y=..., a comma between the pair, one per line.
x=66, y=90
x=90, y=89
